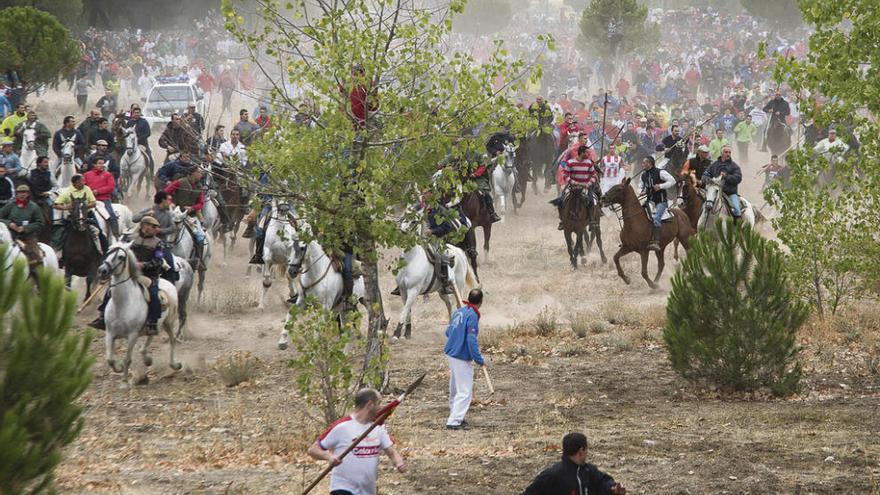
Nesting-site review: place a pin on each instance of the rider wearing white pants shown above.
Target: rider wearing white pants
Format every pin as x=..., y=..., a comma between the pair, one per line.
x=731, y=176
x=462, y=351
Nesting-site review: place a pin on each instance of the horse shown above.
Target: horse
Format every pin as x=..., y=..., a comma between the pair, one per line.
x=541, y=149
x=227, y=186
x=123, y=219
x=81, y=255
x=594, y=229
x=211, y=215
x=184, y=283
x=14, y=252
x=278, y=248
x=28, y=148
x=182, y=244
x=575, y=216
x=692, y=202
x=66, y=166
x=636, y=232
x=715, y=208
x=418, y=277
x=504, y=178
x=778, y=137
x=523, y=173
x=126, y=313
x=478, y=214
x=133, y=163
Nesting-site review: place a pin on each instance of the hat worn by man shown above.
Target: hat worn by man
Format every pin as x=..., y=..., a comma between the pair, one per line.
x=101, y=142
x=22, y=188
x=703, y=148
x=6, y=142
x=148, y=220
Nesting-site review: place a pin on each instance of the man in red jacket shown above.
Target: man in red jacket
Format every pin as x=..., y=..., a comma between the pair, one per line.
x=102, y=184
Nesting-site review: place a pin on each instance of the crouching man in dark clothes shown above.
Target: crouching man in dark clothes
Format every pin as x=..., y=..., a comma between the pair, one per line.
x=573, y=475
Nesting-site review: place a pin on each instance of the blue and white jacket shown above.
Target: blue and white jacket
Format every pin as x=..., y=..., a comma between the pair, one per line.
x=461, y=335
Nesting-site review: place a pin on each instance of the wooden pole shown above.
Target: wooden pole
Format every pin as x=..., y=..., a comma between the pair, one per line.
x=92, y=297
x=458, y=301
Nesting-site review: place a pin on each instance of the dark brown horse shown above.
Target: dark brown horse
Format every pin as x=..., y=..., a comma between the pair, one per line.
x=594, y=228
x=81, y=256
x=636, y=232
x=575, y=216
x=693, y=204
x=226, y=183
x=479, y=216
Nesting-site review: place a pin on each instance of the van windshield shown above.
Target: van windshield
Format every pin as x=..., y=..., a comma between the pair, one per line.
x=170, y=94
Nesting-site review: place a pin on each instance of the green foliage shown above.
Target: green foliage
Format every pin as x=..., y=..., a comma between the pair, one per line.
x=732, y=318
x=324, y=357
x=36, y=46
x=830, y=227
x=484, y=16
x=66, y=11
x=613, y=28
x=782, y=13
x=44, y=368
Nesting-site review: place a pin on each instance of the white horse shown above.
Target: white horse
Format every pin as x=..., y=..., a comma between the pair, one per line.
x=184, y=283
x=714, y=206
x=123, y=218
x=417, y=277
x=278, y=248
x=318, y=278
x=66, y=166
x=13, y=253
x=133, y=163
x=29, y=148
x=126, y=313
x=182, y=244
x=504, y=177
x=211, y=214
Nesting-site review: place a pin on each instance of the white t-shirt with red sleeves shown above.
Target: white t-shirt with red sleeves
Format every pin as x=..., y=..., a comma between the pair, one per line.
x=358, y=470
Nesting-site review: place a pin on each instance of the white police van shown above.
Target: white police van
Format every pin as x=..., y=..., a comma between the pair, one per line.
x=169, y=95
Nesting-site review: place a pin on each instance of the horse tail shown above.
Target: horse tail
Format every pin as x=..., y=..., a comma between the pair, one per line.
x=470, y=278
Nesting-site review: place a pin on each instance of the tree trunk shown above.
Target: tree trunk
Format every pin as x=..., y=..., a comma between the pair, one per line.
x=373, y=371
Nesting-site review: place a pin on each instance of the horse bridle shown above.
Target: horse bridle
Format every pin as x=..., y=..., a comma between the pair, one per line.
x=112, y=268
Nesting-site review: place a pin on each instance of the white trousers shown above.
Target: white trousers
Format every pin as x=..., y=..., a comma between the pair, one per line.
x=461, y=386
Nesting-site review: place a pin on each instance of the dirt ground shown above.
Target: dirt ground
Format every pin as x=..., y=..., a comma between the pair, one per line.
x=186, y=433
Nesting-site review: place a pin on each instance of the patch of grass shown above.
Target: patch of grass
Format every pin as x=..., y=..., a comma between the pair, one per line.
x=228, y=299
x=580, y=324
x=646, y=335
x=598, y=326
x=492, y=337
x=569, y=350
x=546, y=323
x=237, y=368
x=618, y=342
x=618, y=313
x=653, y=316
x=517, y=350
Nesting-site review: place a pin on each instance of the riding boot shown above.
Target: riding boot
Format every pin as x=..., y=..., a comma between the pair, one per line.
x=257, y=258
x=114, y=227
x=654, y=245
x=98, y=322
x=249, y=230
x=443, y=275
x=199, y=248
x=396, y=291
x=347, y=291
x=737, y=220
x=490, y=205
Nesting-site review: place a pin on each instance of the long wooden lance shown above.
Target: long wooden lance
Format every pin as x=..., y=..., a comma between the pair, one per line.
x=381, y=416
x=604, y=116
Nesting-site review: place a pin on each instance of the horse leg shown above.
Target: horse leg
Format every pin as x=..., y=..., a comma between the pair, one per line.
x=201, y=285
x=675, y=246
x=267, y=283
x=572, y=255
x=131, y=342
x=597, y=232
x=487, y=234
x=448, y=304
x=661, y=262
x=148, y=360
x=619, y=254
x=168, y=324
x=406, y=312
x=644, y=255
x=109, y=340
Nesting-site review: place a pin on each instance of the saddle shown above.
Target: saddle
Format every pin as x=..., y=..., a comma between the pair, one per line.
x=32, y=251
x=101, y=209
x=336, y=263
x=432, y=254
x=649, y=210
x=145, y=283
x=586, y=192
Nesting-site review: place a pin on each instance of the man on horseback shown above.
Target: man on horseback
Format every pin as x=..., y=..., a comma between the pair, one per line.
x=831, y=148
x=731, y=176
x=777, y=110
x=66, y=132
x=177, y=138
x=580, y=172
x=102, y=184
x=149, y=249
x=697, y=165
x=439, y=226
x=10, y=161
x=141, y=129
x=482, y=178
x=174, y=170
x=676, y=150
x=568, y=128
x=188, y=193
x=25, y=221
x=655, y=183
x=64, y=202
x=43, y=185
x=41, y=140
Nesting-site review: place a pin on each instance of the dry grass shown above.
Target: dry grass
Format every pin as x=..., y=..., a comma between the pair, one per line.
x=618, y=313
x=620, y=342
x=546, y=323
x=653, y=316
x=237, y=368
x=230, y=299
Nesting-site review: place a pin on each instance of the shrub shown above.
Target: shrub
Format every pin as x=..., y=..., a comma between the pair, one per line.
x=619, y=314
x=546, y=323
x=44, y=368
x=731, y=316
x=240, y=367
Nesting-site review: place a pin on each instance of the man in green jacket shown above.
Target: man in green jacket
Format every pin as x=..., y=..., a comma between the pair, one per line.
x=715, y=145
x=745, y=132
x=24, y=220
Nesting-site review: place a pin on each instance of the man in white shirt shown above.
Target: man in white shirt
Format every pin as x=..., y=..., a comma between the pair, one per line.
x=233, y=150
x=356, y=474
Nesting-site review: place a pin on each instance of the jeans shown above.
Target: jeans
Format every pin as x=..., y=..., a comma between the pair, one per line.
x=154, y=307
x=111, y=212
x=659, y=210
x=198, y=232
x=735, y=204
x=171, y=275
x=259, y=231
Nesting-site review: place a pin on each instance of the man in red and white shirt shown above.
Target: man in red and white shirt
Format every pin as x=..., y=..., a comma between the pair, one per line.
x=580, y=172
x=612, y=169
x=101, y=182
x=356, y=473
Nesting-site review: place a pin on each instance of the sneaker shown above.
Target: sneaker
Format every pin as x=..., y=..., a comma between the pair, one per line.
x=461, y=426
x=396, y=291
x=98, y=323
x=151, y=329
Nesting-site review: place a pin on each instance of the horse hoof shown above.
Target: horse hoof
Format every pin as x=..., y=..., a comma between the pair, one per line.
x=626, y=280
x=176, y=366
x=282, y=346
x=144, y=380
x=148, y=361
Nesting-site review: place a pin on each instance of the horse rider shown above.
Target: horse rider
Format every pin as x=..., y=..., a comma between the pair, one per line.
x=439, y=226
x=41, y=140
x=731, y=176
x=247, y=129
x=177, y=138
x=102, y=184
x=174, y=170
x=188, y=193
x=697, y=165
x=141, y=130
x=25, y=221
x=482, y=177
x=43, y=186
x=569, y=127
x=161, y=211
x=66, y=132
x=655, y=183
x=541, y=111
x=78, y=190
x=580, y=172
x=831, y=148
x=676, y=150
x=102, y=151
x=89, y=125
x=777, y=110
x=102, y=133
x=496, y=143
x=149, y=250
x=10, y=161
x=194, y=120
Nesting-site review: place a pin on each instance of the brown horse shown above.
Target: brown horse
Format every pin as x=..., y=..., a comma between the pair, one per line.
x=594, y=228
x=693, y=204
x=225, y=182
x=636, y=232
x=479, y=216
x=575, y=216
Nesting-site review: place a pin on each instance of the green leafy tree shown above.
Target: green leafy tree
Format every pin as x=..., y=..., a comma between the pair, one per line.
x=781, y=13
x=484, y=16
x=36, y=46
x=732, y=318
x=44, y=368
x=828, y=218
x=612, y=28
x=351, y=180
x=66, y=11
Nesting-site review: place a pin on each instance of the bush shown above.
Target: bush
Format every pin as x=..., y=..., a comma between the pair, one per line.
x=731, y=316
x=546, y=323
x=240, y=367
x=44, y=368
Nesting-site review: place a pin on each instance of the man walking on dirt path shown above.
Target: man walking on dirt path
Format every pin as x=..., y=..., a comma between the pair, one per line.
x=573, y=475
x=356, y=474
x=462, y=351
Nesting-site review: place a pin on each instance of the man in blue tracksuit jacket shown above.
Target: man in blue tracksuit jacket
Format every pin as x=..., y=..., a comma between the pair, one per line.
x=461, y=350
